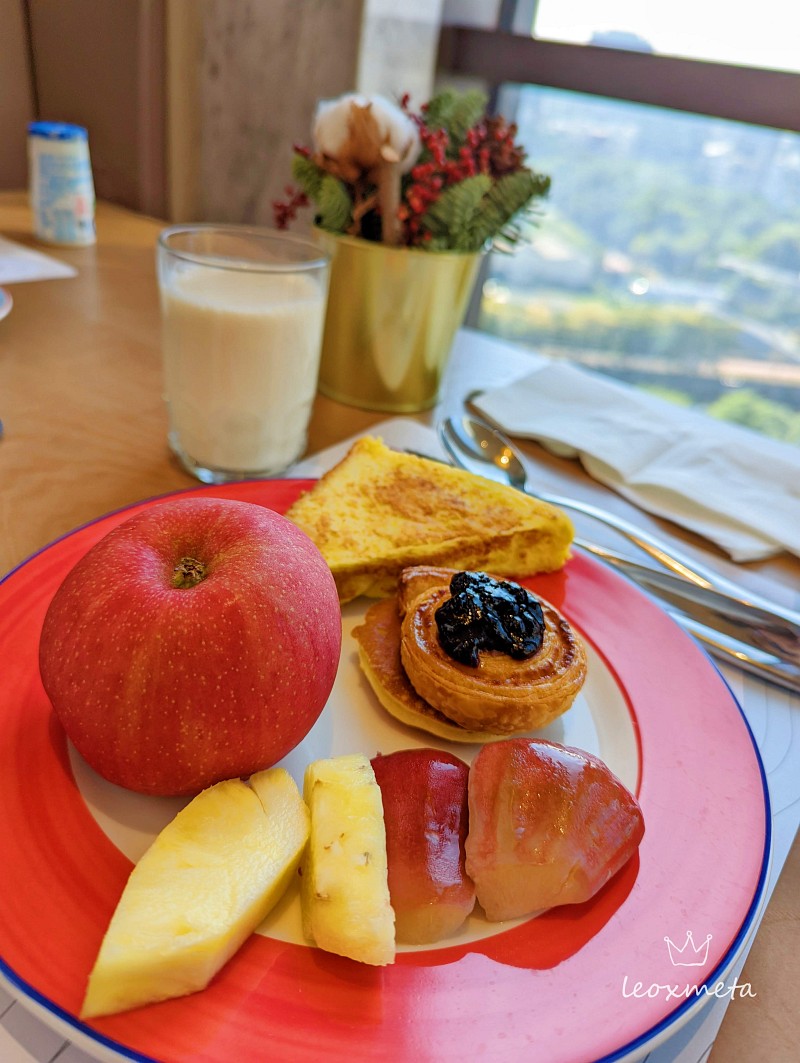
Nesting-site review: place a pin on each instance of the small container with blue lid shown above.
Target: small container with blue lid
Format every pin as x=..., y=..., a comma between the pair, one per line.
x=61, y=185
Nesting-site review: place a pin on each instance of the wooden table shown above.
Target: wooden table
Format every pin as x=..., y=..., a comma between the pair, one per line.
x=85, y=433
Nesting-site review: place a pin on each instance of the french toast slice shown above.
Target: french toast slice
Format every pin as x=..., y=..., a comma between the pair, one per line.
x=379, y=511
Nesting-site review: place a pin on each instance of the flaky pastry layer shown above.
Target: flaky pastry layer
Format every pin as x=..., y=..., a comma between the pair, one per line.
x=501, y=695
x=378, y=641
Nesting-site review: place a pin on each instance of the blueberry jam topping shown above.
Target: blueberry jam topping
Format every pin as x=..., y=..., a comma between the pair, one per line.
x=488, y=614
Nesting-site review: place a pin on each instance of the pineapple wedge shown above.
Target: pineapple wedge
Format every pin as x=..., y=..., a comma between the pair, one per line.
x=203, y=886
x=344, y=886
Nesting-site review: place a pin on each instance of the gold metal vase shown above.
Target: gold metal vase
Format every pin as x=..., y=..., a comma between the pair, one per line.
x=392, y=316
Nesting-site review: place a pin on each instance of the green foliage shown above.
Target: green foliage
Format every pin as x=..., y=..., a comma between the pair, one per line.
x=454, y=216
x=676, y=333
x=673, y=395
x=307, y=175
x=467, y=215
x=779, y=246
x=764, y=300
x=504, y=200
x=456, y=112
x=334, y=205
x=664, y=215
x=329, y=194
x=751, y=410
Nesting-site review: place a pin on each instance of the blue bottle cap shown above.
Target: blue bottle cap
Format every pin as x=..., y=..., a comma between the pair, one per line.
x=57, y=131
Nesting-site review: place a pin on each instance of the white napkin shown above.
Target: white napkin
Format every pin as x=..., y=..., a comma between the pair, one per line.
x=20, y=263
x=399, y=433
x=729, y=484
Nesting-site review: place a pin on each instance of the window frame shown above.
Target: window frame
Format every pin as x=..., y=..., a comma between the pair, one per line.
x=752, y=95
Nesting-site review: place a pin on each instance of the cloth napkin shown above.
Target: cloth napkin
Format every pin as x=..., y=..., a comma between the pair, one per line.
x=734, y=487
x=20, y=263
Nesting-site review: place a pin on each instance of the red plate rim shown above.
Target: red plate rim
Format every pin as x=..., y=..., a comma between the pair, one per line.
x=659, y=667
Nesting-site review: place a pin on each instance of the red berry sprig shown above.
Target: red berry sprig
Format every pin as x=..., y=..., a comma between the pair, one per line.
x=285, y=212
x=489, y=148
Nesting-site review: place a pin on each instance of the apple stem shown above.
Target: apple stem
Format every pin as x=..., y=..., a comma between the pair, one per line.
x=188, y=573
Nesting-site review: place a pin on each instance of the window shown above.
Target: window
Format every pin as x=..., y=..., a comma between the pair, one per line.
x=692, y=29
x=668, y=253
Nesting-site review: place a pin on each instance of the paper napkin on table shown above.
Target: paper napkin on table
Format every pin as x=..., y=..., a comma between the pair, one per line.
x=20, y=263
x=399, y=433
x=729, y=484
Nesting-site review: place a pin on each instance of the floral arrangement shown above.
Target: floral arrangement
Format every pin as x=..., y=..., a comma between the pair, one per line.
x=449, y=178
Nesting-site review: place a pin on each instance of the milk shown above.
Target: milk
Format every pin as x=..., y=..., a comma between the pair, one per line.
x=241, y=357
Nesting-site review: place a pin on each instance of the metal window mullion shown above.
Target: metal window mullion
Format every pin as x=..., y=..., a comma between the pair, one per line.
x=744, y=94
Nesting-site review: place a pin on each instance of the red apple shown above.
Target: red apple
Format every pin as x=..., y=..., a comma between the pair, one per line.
x=198, y=641
x=548, y=825
x=424, y=794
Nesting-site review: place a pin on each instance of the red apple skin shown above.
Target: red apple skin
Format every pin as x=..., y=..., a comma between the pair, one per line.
x=548, y=825
x=166, y=690
x=424, y=794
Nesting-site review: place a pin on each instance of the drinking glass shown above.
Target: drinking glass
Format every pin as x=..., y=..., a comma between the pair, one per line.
x=243, y=311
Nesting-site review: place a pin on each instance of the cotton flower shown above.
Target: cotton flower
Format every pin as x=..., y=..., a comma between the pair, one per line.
x=356, y=134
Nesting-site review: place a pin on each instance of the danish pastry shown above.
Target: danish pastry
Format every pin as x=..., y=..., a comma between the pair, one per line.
x=500, y=694
x=420, y=683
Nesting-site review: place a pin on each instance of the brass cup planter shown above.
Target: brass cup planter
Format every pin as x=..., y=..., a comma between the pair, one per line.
x=390, y=323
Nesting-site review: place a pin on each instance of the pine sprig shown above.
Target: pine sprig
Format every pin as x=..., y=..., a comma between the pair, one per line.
x=330, y=195
x=307, y=174
x=454, y=215
x=455, y=112
x=334, y=205
x=468, y=215
x=504, y=200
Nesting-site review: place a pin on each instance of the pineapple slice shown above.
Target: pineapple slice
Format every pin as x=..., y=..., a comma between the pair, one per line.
x=203, y=886
x=344, y=886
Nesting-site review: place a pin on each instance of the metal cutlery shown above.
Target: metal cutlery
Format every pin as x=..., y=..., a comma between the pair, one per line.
x=730, y=632
x=734, y=651
x=763, y=639
x=475, y=445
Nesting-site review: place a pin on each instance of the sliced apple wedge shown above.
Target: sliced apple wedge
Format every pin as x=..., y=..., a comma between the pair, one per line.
x=548, y=825
x=203, y=886
x=424, y=795
x=344, y=885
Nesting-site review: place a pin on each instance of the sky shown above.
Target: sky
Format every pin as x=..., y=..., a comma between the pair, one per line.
x=695, y=29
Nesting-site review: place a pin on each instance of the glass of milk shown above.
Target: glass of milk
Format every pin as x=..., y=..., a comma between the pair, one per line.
x=243, y=311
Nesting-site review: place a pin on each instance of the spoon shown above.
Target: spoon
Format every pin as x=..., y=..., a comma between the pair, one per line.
x=480, y=448
x=721, y=623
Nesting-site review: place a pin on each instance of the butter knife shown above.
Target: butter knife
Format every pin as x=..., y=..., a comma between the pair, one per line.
x=732, y=630
x=729, y=632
